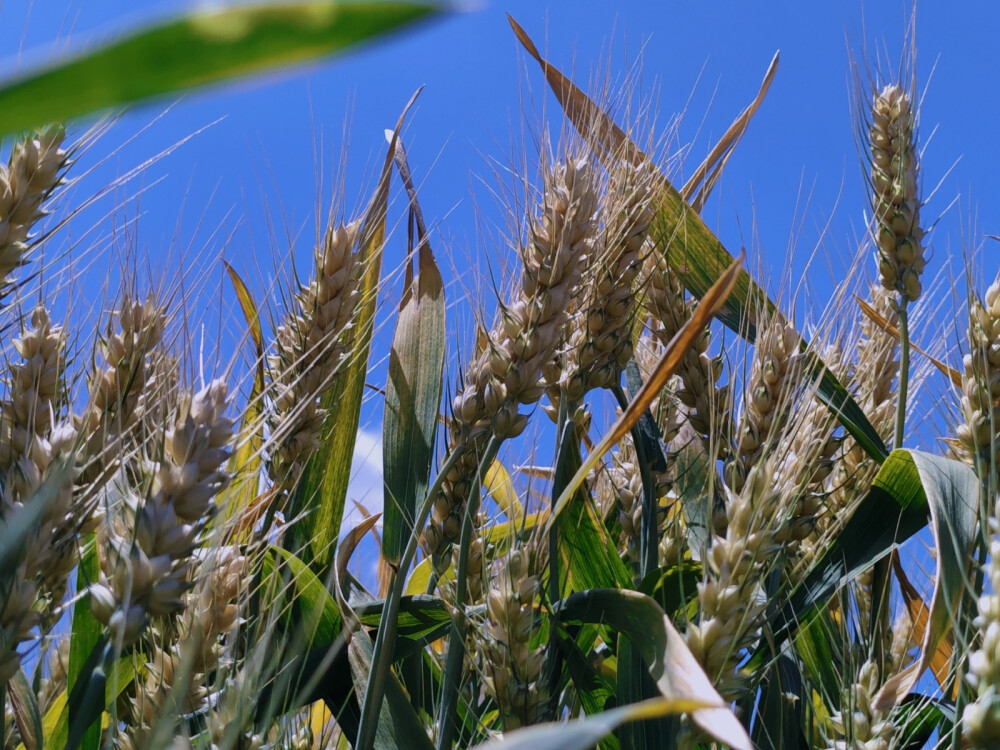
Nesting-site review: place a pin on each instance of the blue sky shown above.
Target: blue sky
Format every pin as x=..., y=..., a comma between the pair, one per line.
x=795, y=172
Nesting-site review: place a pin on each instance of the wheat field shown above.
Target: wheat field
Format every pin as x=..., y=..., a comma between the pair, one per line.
x=640, y=505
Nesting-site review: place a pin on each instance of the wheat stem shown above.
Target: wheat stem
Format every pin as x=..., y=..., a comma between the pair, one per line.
x=904, y=370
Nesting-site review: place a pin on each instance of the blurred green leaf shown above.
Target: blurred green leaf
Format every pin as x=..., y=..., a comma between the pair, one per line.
x=779, y=712
x=314, y=614
x=673, y=586
x=421, y=618
x=588, y=556
x=22, y=701
x=581, y=734
x=192, y=50
x=85, y=634
x=398, y=725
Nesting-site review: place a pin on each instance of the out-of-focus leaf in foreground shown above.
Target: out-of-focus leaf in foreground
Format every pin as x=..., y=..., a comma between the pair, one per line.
x=202, y=47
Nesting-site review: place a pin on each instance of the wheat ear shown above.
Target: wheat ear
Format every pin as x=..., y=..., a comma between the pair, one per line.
x=31, y=450
x=146, y=576
x=513, y=669
x=311, y=347
x=859, y=725
x=34, y=170
x=895, y=200
x=979, y=438
x=508, y=373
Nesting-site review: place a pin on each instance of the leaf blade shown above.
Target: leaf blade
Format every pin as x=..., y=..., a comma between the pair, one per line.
x=322, y=490
x=413, y=388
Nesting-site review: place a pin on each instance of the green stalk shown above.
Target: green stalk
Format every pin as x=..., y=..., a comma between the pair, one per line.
x=460, y=624
x=550, y=671
x=904, y=371
x=555, y=593
x=385, y=640
x=881, y=575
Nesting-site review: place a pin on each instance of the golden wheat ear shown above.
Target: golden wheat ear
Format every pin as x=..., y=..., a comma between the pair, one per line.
x=35, y=169
x=531, y=330
x=311, y=347
x=145, y=577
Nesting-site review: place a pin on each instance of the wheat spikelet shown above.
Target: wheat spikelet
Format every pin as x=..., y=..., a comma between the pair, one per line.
x=31, y=450
x=895, y=200
x=513, y=669
x=311, y=347
x=33, y=171
x=858, y=725
x=774, y=377
x=706, y=402
x=147, y=576
x=508, y=372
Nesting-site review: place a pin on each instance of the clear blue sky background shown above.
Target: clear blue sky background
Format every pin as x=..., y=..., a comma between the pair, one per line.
x=797, y=165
